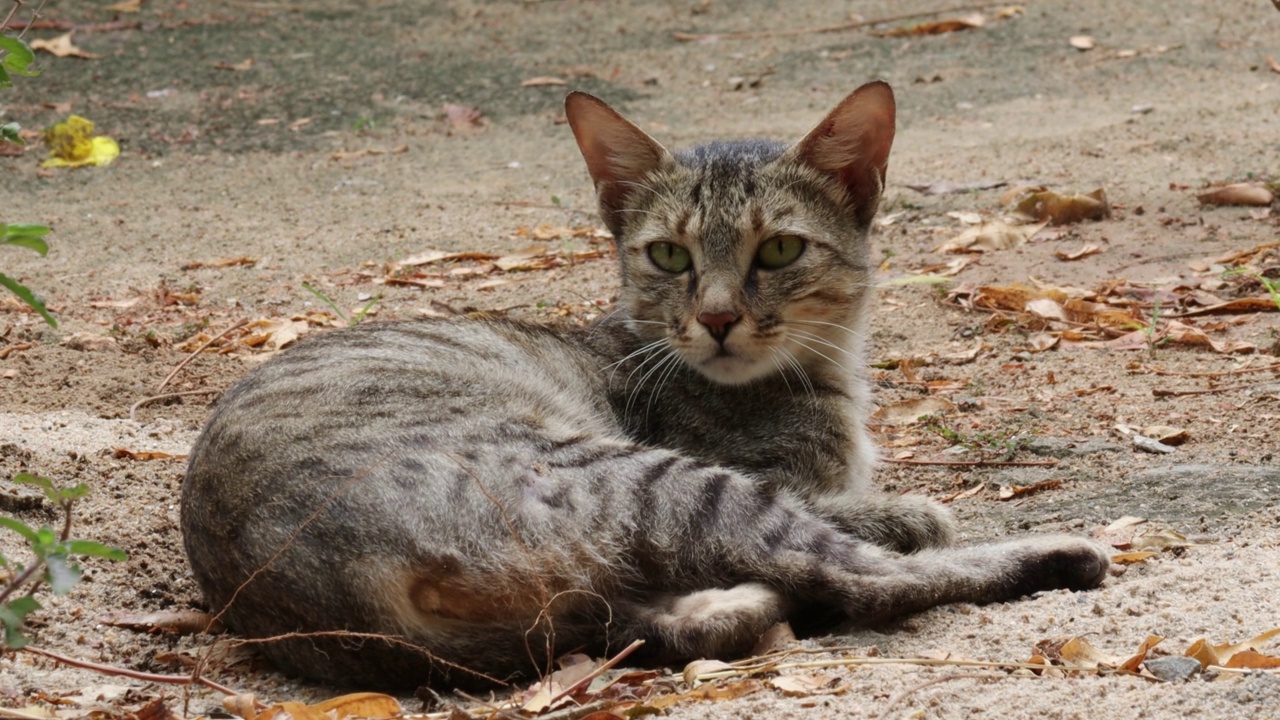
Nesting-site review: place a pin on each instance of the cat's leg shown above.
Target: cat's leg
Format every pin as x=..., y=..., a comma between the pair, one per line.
x=696, y=523
x=902, y=523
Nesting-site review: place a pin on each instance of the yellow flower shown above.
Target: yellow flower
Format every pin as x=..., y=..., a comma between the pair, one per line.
x=70, y=145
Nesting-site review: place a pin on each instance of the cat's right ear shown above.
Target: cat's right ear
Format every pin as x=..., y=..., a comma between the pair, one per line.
x=619, y=155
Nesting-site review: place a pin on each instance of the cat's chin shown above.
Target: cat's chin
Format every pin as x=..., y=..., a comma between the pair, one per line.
x=733, y=369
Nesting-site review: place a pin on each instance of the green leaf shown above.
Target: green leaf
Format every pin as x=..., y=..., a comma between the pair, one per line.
x=25, y=235
x=26, y=296
x=23, y=529
x=95, y=549
x=19, y=56
x=62, y=573
x=12, y=615
x=73, y=493
x=5, y=82
x=9, y=131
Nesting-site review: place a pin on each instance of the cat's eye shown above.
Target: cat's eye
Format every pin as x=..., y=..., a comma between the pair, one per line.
x=670, y=257
x=779, y=251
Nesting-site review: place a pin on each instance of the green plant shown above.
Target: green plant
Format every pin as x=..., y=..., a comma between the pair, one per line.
x=15, y=59
x=54, y=560
x=28, y=236
x=351, y=321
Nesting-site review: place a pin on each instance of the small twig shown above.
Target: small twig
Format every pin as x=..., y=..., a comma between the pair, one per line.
x=604, y=667
x=1211, y=391
x=896, y=699
x=35, y=15
x=133, y=410
x=975, y=463
x=197, y=351
x=1223, y=373
x=125, y=672
x=758, y=34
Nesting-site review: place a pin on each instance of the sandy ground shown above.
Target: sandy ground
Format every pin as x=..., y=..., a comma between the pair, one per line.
x=266, y=162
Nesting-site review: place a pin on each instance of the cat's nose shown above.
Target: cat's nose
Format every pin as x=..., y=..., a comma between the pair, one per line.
x=718, y=323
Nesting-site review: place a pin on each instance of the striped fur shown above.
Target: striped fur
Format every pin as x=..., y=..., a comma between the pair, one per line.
x=458, y=502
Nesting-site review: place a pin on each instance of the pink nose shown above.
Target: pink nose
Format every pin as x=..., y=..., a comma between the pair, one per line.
x=718, y=323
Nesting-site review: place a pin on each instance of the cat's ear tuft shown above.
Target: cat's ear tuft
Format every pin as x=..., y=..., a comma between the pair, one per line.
x=852, y=144
x=619, y=155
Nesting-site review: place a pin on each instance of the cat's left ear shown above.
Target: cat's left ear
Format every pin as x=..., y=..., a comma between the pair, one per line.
x=852, y=144
x=619, y=155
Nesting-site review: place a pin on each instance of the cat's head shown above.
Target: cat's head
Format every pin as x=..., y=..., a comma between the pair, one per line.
x=747, y=258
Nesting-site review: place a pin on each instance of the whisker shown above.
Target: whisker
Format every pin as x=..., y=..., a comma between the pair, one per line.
x=821, y=354
x=823, y=341
x=800, y=371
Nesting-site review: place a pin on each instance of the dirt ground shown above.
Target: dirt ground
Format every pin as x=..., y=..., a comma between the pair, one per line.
x=351, y=142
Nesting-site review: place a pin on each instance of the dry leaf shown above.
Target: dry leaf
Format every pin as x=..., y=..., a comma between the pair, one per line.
x=910, y=412
x=182, y=622
x=242, y=66
x=805, y=685
x=1272, y=62
x=1057, y=209
x=1084, y=252
x=1237, y=194
x=351, y=155
x=128, y=6
x=573, y=669
x=1159, y=540
x=463, y=117
x=1082, y=42
x=221, y=263
x=62, y=47
x=1009, y=492
x=994, y=235
x=1130, y=558
x=694, y=671
x=937, y=27
x=543, y=81
x=1135, y=661
x=1186, y=334
x=88, y=342
x=1166, y=434
x=122, y=453
x=435, y=256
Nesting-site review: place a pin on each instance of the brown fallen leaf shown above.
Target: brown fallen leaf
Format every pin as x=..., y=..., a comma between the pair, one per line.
x=88, y=342
x=463, y=117
x=806, y=685
x=543, y=81
x=943, y=187
x=1057, y=209
x=181, y=622
x=222, y=263
x=122, y=453
x=549, y=693
x=372, y=706
x=61, y=46
x=994, y=235
x=1009, y=492
x=1130, y=558
x=1273, y=63
x=910, y=412
x=434, y=256
x=937, y=27
x=1238, y=194
x=1084, y=252
x=1222, y=655
x=350, y=155
x=1166, y=434
x=242, y=66
x=128, y=6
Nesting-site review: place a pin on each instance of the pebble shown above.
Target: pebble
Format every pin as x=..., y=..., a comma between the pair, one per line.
x=1173, y=667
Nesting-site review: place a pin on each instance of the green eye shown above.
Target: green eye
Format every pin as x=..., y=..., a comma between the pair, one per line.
x=669, y=257
x=780, y=251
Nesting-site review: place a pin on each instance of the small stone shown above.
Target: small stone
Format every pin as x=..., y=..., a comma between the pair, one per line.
x=1174, y=667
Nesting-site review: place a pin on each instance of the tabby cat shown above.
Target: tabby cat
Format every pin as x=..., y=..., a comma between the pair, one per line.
x=452, y=502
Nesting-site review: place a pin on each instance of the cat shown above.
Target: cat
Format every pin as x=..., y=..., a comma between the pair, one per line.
x=459, y=502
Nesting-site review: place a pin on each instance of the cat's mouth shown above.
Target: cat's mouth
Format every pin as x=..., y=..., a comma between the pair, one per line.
x=729, y=367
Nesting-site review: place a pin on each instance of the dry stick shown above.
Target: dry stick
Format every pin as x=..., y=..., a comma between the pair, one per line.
x=35, y=15
x=893, y=702
x=687, y=37
x=125, y=672
x=604, y=667
x=976, y=463
x=197, y=351
x=1223, y=373
x=133, y=409
x=1225, y=388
